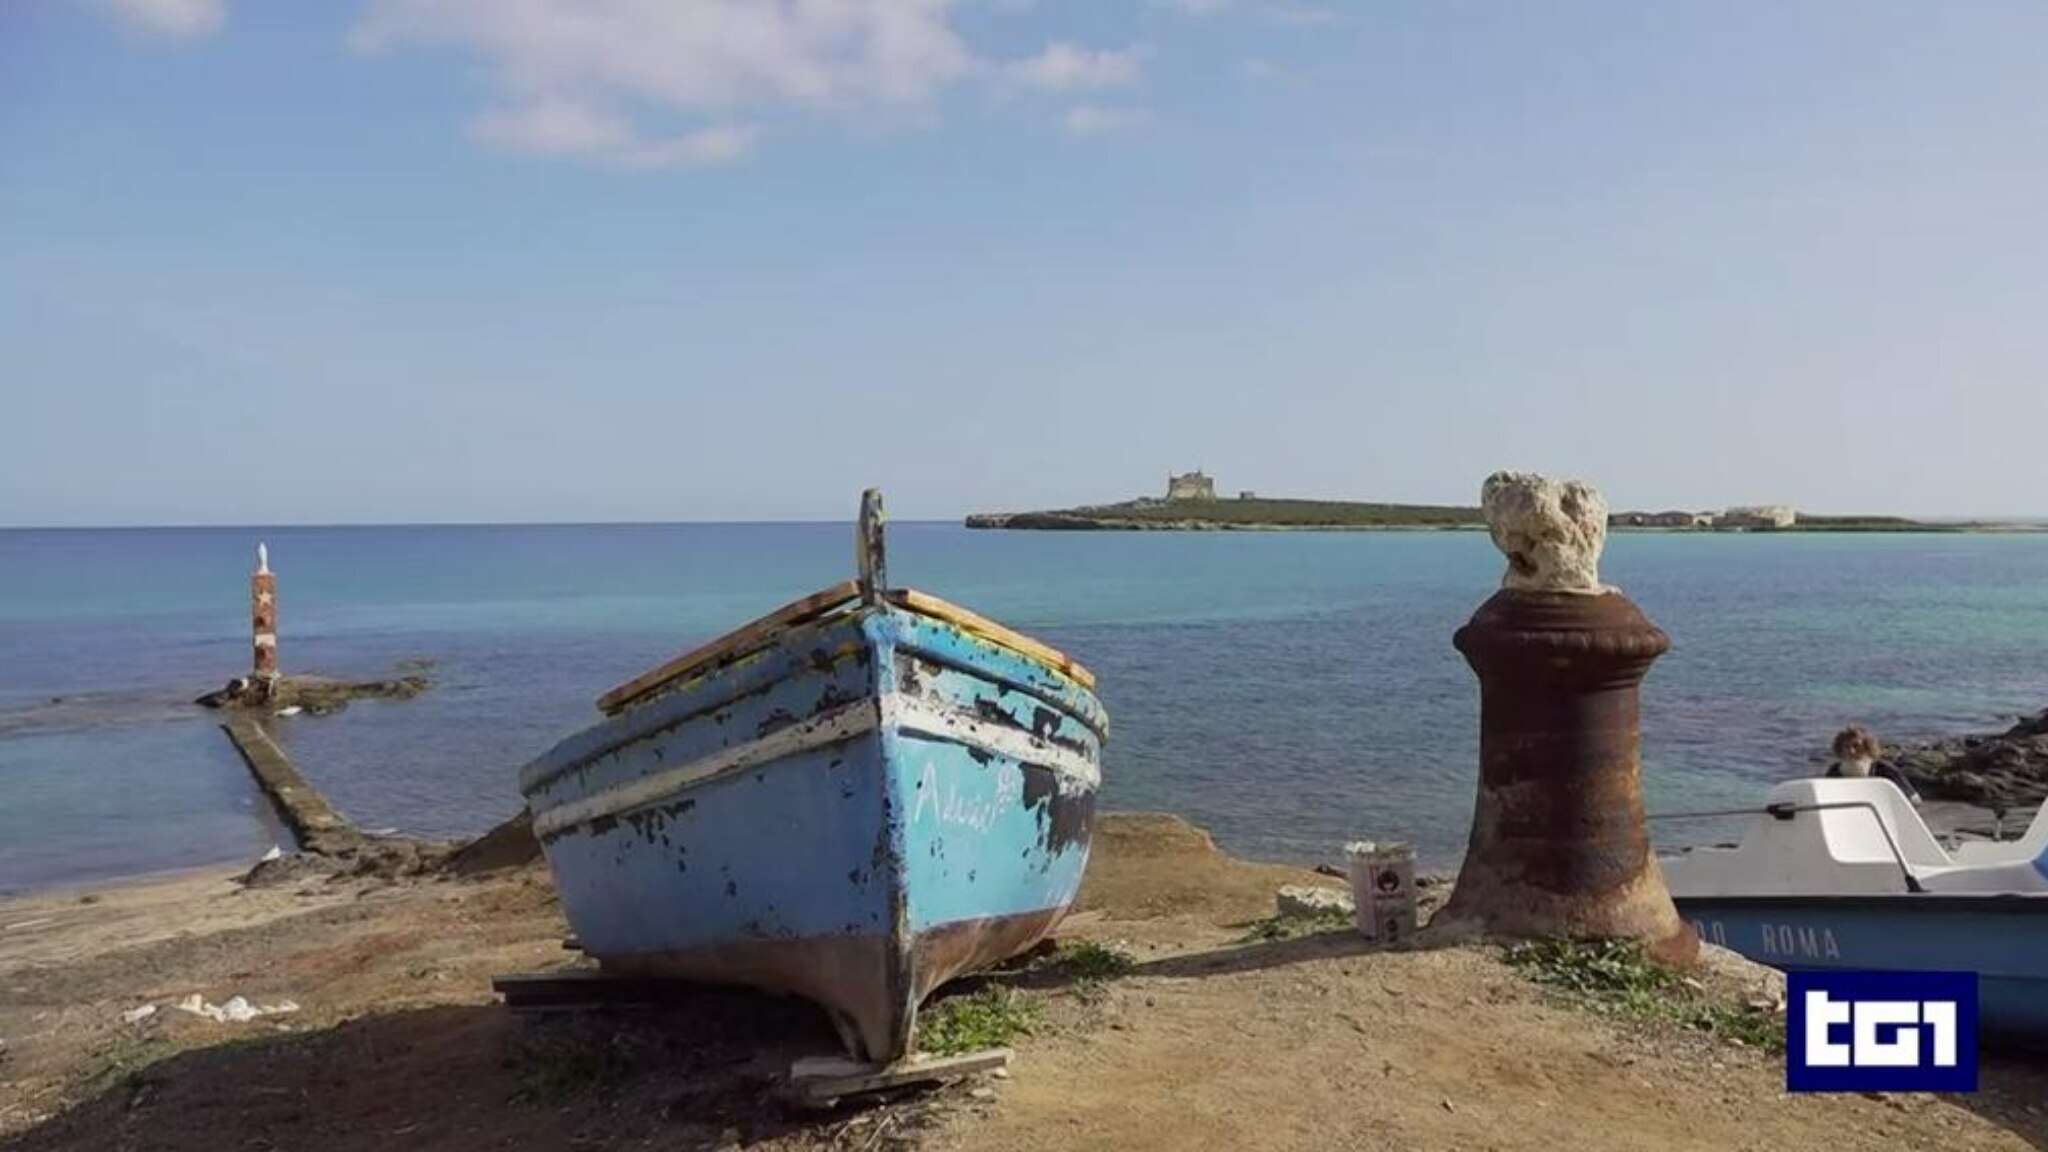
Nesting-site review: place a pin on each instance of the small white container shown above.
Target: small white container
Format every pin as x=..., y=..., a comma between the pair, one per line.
x=1383, y=889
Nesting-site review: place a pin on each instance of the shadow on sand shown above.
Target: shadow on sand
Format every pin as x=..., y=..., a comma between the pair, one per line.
x=699, y=1072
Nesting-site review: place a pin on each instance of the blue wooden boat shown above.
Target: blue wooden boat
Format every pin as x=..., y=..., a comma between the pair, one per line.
x=852, y=799
x=1843, y=873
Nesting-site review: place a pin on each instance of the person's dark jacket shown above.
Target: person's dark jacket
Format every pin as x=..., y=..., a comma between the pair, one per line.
x=1883, y=770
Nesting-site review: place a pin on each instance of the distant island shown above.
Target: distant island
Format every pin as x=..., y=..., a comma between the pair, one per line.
x=1191, y=504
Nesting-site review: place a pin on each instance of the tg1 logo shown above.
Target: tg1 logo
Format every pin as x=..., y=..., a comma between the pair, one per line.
x=1881, y=1031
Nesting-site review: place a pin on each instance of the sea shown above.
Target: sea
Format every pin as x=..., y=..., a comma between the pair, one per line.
x=1289, y=691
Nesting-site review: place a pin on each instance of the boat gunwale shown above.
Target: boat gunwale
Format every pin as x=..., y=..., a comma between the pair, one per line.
x=840, y=599
x=1085, y=707
x=891, y=714
x=643, y=718
x=651, y=714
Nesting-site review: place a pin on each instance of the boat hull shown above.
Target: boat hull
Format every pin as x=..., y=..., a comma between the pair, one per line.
x=2002, y=938
x=865, y=809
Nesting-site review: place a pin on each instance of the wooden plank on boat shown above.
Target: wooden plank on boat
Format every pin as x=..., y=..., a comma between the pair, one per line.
x=731, y=644
x=976, y=624
x=820, y=1080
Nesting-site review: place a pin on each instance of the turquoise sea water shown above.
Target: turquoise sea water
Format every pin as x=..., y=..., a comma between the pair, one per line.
x=1288, y=690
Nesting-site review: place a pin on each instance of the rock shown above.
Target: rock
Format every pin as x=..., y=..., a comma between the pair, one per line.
x=1551, y=531
x=1305, y=902
x=312, y=695
x=2038, y=726
x=233, y=693
x=1753, y=982
x=509, y=845
x=138, y=1015
x=2007, y=771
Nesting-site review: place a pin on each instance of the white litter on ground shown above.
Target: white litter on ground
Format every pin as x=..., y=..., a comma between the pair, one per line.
x=275, y=853
x=138, y=1015
x=236, y=1011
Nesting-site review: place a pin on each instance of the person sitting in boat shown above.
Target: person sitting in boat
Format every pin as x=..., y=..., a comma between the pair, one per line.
x=1856, y=755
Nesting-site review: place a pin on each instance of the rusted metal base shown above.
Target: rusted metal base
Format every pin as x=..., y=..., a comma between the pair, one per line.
x=1559, y=846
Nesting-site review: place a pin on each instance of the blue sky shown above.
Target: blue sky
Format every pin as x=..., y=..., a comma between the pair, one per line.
x=397, y=260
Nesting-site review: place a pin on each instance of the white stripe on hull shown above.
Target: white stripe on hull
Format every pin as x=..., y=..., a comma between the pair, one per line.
x=904, y=713
x=915, y=714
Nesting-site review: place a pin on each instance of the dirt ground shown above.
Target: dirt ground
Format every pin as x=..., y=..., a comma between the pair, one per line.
x=1313, y=1043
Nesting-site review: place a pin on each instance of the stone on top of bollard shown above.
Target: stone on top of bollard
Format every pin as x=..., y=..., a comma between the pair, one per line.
x=1551, y=531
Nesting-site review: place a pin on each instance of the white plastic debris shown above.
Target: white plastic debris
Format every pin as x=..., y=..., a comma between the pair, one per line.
x=237, y=1010
x=275, y=853
x=294, y=710
x=138, y=1015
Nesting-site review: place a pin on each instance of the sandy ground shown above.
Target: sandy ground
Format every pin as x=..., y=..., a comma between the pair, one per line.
x=1317, y=1043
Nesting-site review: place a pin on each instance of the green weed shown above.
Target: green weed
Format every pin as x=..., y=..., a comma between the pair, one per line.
x=990, y=1018
x=1615, y=977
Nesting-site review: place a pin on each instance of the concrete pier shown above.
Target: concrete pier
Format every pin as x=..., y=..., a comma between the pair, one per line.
x=320, y=829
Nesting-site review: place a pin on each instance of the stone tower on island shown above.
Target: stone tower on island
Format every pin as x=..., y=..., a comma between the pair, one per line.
x=1190, y=486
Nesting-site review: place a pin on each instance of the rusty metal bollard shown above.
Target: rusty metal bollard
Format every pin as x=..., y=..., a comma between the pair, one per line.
x=263, y=621
x=1559, y=846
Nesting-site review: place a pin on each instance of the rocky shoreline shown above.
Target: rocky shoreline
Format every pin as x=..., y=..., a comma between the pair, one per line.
x=2002, y=771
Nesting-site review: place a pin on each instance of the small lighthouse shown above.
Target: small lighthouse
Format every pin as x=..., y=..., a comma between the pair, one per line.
x=263, y=621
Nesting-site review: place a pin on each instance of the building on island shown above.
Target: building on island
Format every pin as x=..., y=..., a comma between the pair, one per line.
x=1733, y=519
x=1660, y=519
x=1758, y=516
x=1190, y=486
x=1247, y=494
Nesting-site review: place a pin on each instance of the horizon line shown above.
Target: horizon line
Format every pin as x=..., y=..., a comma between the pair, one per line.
x=189, y=526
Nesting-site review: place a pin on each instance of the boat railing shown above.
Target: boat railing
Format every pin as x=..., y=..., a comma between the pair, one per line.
x=1786, y=810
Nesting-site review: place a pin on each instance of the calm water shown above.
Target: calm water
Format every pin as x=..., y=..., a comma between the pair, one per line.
x=1289, y=690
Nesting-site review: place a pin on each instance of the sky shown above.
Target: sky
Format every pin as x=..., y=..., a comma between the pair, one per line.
x=576, y=260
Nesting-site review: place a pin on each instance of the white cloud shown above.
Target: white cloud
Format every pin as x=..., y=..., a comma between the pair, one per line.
x=665, y=83
x=557, y=127
x=1097, y=120
x=176, y=19
x=706, y=54
x=566, y=69
x=1065, y=67
x=1259, y=70
x=1194, y=7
